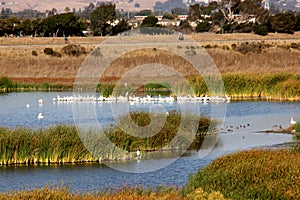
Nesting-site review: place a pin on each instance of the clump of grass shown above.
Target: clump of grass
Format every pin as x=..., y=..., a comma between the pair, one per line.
x=254, y=174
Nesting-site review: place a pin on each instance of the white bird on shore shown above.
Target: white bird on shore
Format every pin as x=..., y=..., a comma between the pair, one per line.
x=293, y=121
x=40, y=116
x=27, y=105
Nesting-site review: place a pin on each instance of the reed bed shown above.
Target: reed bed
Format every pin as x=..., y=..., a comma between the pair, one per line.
x=254, y=174
x=280, y=87
x=63, y=144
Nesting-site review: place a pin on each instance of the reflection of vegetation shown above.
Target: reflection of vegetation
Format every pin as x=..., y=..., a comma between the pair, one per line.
x=61, y=143
x=255, y=174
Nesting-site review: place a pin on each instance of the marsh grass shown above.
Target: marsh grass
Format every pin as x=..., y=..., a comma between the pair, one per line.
x=278, y=86
x=63, y=144
x=254, y=174
x=64, y=192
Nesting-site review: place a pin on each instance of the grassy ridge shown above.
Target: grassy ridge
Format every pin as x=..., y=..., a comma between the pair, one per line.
x=61, y=143
x=254, y=174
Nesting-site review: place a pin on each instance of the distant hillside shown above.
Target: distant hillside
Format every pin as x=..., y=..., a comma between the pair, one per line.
x=60, y=5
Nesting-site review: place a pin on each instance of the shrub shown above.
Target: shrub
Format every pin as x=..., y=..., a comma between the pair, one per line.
x=5, y=82
x=34, y=53
x=260, y=30
x=73, y=50
x=297, y=127
x=49, y=51
x=295, y=46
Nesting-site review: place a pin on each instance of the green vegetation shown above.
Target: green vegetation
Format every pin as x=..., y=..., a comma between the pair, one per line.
x=6, y=85
x=282, y=86
x=254, y=174
x=297, y=127
x=60, y=144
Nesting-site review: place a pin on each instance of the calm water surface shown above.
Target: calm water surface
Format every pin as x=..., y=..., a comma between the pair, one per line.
x=86, y=177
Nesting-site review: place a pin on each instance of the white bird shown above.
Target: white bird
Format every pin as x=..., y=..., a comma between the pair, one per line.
x=40, y=116
x=293, y=121
x=138, y=153
x=41, y=101
x=27, y=105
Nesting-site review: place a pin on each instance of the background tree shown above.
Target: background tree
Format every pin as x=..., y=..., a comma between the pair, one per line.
x=150, y=21
x=204, y=26
x=67, y=9
x=168, y=15
x=66, y=24
x=194, y=12
x=144, y=13
x=254, y=7
x=179, y=11
x=121, y=27
x=101, y=18
x=283, y=22
x=297, y=22
x=228, y=8
x=185, y=27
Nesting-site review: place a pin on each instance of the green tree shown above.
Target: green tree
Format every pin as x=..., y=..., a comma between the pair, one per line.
x=297, y=22
x=26, y=27
x=102, y=17
x=179, y=11
x=203, y=26
x=168, y=15
x=283, y=22
x=121, y=27
x=65, y=24
x=228, y=8
x=144, y=13
x=150, y=21
x=67, y=9
x=253, y=7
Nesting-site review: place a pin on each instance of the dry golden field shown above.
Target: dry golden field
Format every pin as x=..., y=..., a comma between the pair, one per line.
x=18, y=63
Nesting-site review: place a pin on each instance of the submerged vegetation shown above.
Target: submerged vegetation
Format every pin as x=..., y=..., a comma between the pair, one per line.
x=61, y=143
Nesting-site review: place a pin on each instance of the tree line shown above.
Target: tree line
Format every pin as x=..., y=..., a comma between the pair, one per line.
x=227, y=16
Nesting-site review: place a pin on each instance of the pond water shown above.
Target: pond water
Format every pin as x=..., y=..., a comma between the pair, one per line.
x=255, y=115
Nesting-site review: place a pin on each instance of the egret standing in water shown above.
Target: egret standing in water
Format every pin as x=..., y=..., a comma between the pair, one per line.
x=138, y=154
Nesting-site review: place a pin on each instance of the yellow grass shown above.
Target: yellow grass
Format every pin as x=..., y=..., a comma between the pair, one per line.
x=18, y=63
